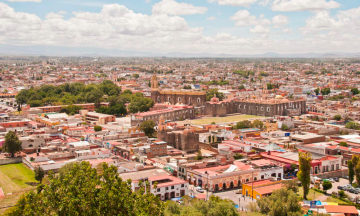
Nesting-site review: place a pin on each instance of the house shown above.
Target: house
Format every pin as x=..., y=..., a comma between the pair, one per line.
x=345, y=210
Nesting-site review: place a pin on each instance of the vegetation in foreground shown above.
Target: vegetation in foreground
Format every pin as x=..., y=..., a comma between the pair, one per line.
x=79, y=189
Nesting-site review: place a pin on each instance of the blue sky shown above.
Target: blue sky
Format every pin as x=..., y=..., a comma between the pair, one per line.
x=161, y=26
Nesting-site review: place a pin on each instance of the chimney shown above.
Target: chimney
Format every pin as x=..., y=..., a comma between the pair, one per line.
x=269, y=152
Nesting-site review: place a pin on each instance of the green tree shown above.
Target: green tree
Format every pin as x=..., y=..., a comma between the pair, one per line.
x=135, y=76
x=304, y=171
x=281, y=202
x=199, y=156
x=238, y=156
x=343, y=144
x=317, y=91
x=258, y=124
x=241, y=87
x=97, y=128
x=83, y=191
x=337, y=117
x=326, y=185
x=243, y=124
x=211, y=92
x=291, y=185
x=351, y=171
x=352, y=125
x=39, y=173
x=12, y=143
x=71, y=109
x=284, y=127
x=148, y=127
x=355, y=91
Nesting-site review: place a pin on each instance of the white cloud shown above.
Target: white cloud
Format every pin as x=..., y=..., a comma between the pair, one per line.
x=62, y=12
x=280, y=20
x=244, y=18
x=172, y=7
x=53, y=15
x=259, y=29
x=211, y=18
x=119, y=28
x=24, y=0
x=303, y=5
x=287, y=30
x=234, y=2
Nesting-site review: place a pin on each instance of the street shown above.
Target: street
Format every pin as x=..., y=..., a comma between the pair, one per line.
x=228, y=194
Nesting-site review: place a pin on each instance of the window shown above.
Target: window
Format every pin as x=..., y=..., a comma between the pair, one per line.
x=262, y=108
x=198, y=100
x=172, y=187
x=179, y=99
x=239, y=106
x=167, y=188
x=262, y=176
x=268, y=109
x=158, y=190
x=337, y=167
x=182, y=185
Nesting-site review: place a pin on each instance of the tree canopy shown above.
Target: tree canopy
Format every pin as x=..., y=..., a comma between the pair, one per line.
x=211, y=92
x=148, y=127
x=81, y=190
x=12, y=143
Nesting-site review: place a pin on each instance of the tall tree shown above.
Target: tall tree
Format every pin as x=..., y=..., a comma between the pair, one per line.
x=12, y=143
x=356, y=165
x=304, y=171
x=351, y=171
x=39, y=173
x=148, y=127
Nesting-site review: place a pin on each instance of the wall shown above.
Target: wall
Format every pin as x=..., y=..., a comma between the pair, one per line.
x=332, y=174
x=10, y=160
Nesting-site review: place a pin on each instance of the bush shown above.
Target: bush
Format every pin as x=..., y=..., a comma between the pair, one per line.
x=342, y=194
x=97, y=128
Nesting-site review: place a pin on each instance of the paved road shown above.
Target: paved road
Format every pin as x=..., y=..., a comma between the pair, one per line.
x=229, y=194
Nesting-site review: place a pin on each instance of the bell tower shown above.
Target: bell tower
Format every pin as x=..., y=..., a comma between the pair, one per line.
x=154, y=82
x=155, y=96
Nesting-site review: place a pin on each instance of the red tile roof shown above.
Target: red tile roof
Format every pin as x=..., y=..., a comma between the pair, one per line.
x=341, y=209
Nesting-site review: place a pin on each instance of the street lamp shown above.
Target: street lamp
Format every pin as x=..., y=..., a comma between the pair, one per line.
x=239, y=203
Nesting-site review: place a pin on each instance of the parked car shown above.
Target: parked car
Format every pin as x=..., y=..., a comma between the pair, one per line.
x=239, y=191
x=336, y=179
x=331, y=180
x=346, y=177
x=341, y=188
x=199, y=189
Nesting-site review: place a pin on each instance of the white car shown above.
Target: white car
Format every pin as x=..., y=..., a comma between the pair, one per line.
x=199, y=189
x=331, y=180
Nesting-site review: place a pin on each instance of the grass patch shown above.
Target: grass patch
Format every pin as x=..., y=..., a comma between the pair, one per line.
x=13, y=177
x=311, y=193
x=335, y=200
x=224, y=119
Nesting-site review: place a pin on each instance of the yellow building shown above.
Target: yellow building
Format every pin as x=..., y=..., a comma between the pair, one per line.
x=258, y=189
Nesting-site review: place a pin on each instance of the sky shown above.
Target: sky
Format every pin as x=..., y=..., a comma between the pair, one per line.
x=187, y=26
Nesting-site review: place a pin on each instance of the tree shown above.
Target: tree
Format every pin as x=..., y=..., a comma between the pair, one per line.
x=317, y=91
x=342, y=194
x=352, y=125
x=337, y=117
x=258, y=124
x=238, y=156
x=356, y=166
x=355, y=91
x=12, y=143
x=284, y=127
x=281, y=202
x=97, y=128
x=148, y=127
x=135, y=76
x=195, y=207
x=343, y=144
x=241, y=87
x=304, y=171
x=243, y=124
x=71, y=109
x=199, y=156
x=326, y=185
x=351, y=171
x=39, y=173
x=211, y=92
x=291, y=185
x=83, y=191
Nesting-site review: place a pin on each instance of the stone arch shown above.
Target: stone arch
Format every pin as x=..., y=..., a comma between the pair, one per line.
x=268, y=109
x=179, y=99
